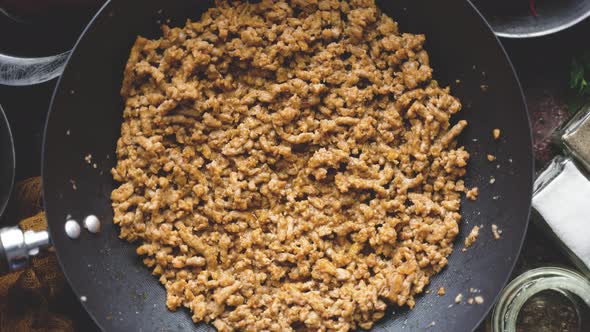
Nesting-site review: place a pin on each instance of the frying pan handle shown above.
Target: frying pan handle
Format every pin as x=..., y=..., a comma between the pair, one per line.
x=17, y=71
x=17, y=247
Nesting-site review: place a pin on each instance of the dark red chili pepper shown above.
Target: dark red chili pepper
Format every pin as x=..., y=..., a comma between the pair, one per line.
x=533, y=9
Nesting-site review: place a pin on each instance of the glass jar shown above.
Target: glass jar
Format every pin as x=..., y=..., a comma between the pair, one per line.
x=553, y=298
x=574, y=136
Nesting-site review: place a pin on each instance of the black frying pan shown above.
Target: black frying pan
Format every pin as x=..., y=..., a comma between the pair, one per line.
x=7, y=161
x=85, y=117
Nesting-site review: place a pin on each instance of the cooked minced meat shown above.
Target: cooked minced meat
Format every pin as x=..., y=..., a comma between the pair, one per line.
x=288, y=165
x=472, y=193
x=496, y=232
x=496, y=134
x=472, y=237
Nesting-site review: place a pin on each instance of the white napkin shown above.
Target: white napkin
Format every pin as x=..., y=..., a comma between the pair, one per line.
x=564, y=203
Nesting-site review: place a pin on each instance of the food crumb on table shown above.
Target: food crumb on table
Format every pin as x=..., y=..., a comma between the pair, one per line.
x=496, y=133
x=88, y=158
x=459, y=298
x=491, y=157
x=492, y=180
x=441, y=291
x=496, y=232
x=472, y=237
x=478, y=299
x=472, y=193
x=470, y=300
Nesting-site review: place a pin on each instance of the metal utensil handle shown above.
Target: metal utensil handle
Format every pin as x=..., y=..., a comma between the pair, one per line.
x=17, y=247
x=16, y=71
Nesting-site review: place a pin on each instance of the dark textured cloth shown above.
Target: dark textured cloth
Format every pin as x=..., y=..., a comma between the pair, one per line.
x=38, y=298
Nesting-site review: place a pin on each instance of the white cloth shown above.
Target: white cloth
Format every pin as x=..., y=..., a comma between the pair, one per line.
x=564, y=203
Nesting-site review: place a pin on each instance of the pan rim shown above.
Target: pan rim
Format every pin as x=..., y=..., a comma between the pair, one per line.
x=44, y=144
x=543, y=32
x=491, y=304
x=488, y=304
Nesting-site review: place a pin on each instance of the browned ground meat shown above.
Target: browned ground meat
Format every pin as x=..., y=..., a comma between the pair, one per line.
x=288, y=165
x=472, y=237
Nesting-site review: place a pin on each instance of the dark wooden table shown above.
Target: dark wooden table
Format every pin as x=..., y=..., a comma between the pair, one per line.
x=542, y=65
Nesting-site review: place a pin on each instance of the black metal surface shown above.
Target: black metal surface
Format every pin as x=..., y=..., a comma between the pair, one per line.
x=85, y=117
x=4, y=269
x=7, y=163
x=7, y=166
x=39, y=28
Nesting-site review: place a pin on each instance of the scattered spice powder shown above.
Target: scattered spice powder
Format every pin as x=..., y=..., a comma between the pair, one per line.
x=549, y=310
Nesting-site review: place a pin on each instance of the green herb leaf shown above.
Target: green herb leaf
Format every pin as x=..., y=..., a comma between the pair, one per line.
x=580, y=74
x=579, y=82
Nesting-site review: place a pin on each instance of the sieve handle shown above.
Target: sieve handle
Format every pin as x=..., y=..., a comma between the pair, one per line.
x=17, y=247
